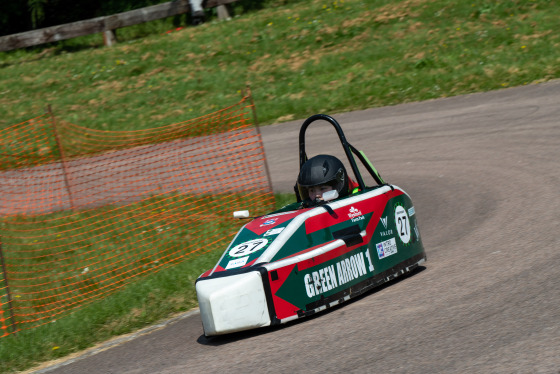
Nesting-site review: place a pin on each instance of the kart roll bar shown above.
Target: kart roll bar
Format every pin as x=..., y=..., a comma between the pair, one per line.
x=348, y=149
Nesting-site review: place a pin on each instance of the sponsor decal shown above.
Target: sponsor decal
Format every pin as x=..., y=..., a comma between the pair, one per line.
x=338, y=274
x=384, y=221
x=403, y=224
x=258, y=226
x=247, y=248
x=386, y=248
x=269, y=222
x=274, y=231
x=411, y=212
x=238, y=262
x=385, y=232
x=355, y=214
x=416, y=231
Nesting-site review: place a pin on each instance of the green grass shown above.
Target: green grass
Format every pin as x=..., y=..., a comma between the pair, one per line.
x=69, y=258
x=143, y=302
x=166, y=290
x=300, y=59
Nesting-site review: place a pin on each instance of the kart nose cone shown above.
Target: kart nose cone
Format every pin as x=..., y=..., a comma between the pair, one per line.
x=232, y=303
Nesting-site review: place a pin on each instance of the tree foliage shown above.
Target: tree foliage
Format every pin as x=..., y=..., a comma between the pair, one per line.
x=20, y=16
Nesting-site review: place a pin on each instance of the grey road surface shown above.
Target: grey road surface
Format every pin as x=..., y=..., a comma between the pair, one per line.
x=483, y=171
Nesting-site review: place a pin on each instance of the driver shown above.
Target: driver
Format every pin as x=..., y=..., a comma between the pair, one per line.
x=320, y=174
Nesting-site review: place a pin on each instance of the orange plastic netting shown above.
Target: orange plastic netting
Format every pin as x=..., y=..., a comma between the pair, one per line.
x=84, y=212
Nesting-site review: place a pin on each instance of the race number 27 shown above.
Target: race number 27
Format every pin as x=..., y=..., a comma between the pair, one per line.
x=403, y=224
x=247, y=248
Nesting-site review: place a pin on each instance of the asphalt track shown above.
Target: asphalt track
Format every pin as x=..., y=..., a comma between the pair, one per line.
x=483, y=171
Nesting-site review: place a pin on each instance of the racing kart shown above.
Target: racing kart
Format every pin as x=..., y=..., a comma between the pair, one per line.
x=297, y=261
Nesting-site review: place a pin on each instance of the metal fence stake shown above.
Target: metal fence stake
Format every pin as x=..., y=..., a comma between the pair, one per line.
x=62, y=158
x=8, y=295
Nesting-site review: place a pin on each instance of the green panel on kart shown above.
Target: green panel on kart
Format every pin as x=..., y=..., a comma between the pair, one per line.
x=299, y=287
x=382, y=234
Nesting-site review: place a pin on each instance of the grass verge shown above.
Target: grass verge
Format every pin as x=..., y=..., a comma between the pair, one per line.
x=300, y=58
x=146, y=300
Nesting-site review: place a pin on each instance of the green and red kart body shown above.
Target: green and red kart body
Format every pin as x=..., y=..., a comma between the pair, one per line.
x=297, y=261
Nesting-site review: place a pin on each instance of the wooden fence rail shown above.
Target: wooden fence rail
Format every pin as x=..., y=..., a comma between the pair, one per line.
x=105, y=25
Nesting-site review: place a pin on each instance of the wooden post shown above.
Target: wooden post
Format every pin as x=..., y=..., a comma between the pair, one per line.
x=106, y=24
x=8, y=295
x=223, y=13
x=109, y=38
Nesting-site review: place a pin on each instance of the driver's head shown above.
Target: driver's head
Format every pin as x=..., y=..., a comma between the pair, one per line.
x=316, y=192
x=320, y=174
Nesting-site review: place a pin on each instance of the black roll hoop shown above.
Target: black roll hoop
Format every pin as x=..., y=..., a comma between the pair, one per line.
x=349, y=150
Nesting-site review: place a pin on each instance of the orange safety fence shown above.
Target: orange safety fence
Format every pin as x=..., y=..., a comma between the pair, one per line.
x=85, y=212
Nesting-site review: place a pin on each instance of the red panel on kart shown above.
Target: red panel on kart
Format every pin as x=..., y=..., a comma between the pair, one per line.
x=282, y=308
x=353, y=211
x=262, y=224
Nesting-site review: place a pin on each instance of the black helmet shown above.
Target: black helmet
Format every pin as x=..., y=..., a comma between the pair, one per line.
x=322, y=170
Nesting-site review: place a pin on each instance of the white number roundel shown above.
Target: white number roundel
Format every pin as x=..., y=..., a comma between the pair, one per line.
x=247, y=248
x=403, y=224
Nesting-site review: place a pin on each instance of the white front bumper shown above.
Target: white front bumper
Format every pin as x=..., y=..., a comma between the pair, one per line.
x=232, y=303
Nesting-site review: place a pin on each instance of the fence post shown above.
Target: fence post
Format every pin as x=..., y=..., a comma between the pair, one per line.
x=109, y=38
x=8, y=295
x=223, y=13
x=62, y=158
